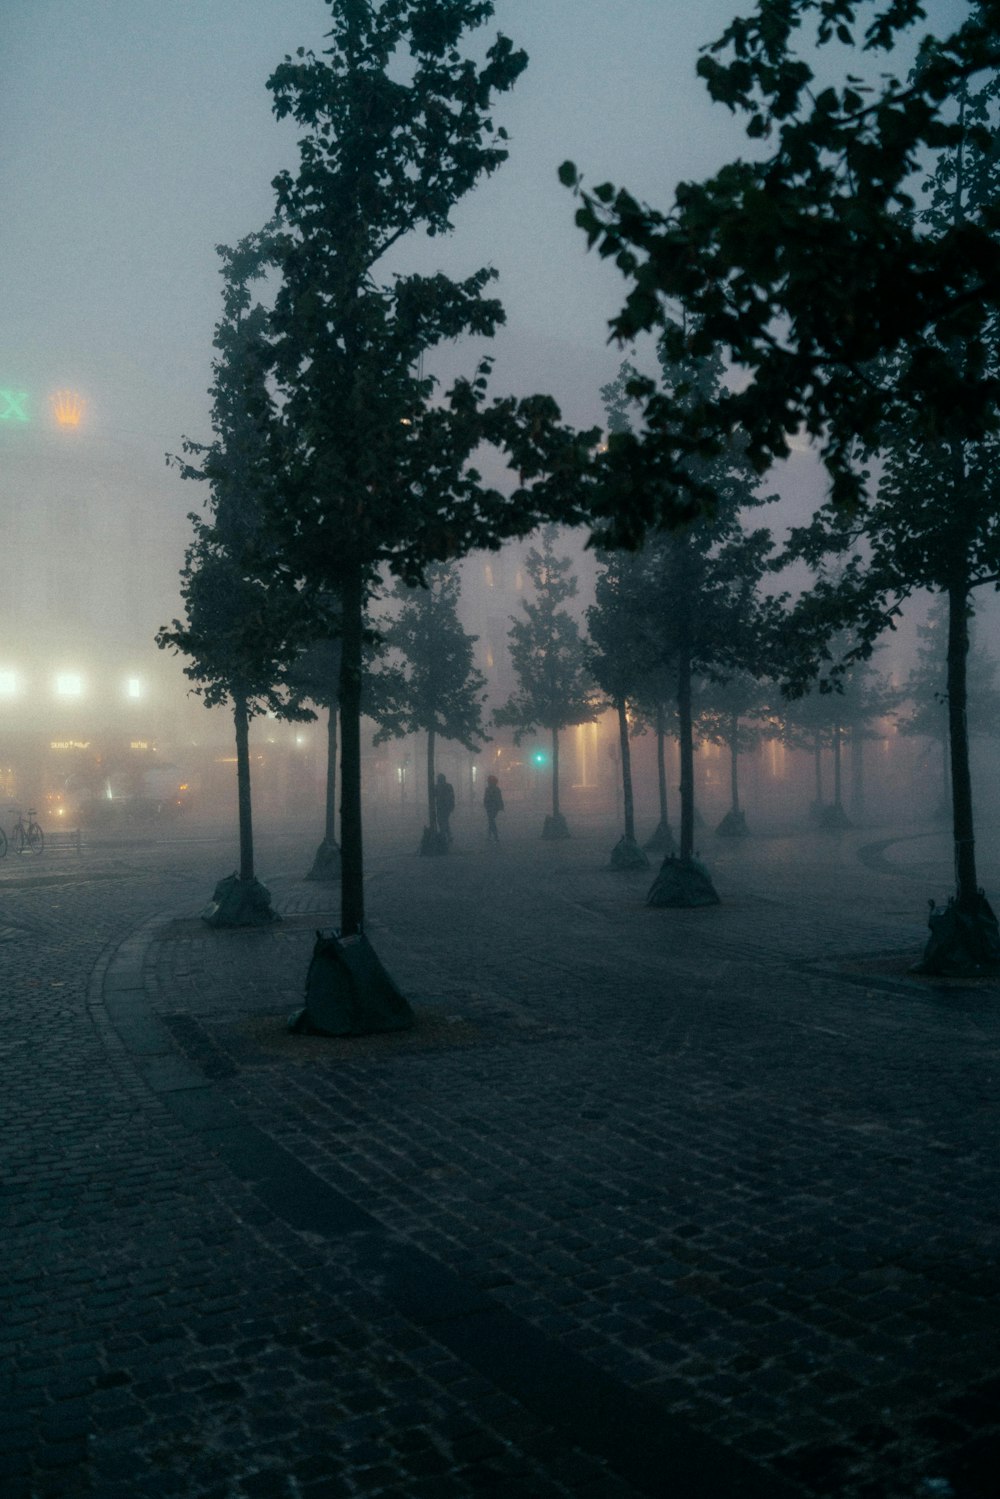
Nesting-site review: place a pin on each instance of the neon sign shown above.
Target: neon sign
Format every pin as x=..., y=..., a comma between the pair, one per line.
x=67, y=407
x=13, y=406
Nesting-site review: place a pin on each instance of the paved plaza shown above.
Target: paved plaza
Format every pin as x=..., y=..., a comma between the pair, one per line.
x=649, y=1202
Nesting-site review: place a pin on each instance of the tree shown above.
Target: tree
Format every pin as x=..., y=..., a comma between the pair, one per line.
x=807, y=265
x=848, y=315
x=841, y=706
x=730, y=715
x=441, y=691
x=550, y=662
x=932, y=521
x=314, y=678
x=621, y=657
x=396, y=129
x=926, y=691
x=241, y=630
x=619, y=660
x=694, y=589
x=655, y=708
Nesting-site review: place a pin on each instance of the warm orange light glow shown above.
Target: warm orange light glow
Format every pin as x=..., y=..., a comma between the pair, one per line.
x=67, y=408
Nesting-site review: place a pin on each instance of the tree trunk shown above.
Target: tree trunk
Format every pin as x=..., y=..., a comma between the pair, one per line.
x=818, y=767
x=857, y=773
x=431, y=805
x=967, y=884
x=241, y=719
x=352, y=899
x=626, y=751
x=661, y=762
x=330, y=833
x=686, y=751
x=734, y=762
x=555, y=772
x=945, y=770
x=837, y=782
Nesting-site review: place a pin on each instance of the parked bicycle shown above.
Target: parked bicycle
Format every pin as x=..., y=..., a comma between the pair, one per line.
x=26, y=836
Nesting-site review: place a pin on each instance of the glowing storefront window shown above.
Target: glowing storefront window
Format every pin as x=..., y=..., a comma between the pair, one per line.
x=69, y=684
x=8, y=683
x=133, y=687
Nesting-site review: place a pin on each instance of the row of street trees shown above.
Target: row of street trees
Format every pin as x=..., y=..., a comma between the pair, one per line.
x=853, y=305
x=360, y=467
x=847, y=309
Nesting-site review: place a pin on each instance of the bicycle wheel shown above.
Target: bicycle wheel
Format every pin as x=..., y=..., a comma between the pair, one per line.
x=20, y=839
x=36, y=838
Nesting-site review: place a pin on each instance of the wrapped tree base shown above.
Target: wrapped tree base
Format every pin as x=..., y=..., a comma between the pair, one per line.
x=555, y=827
x=326, y=865
x=348, y=992
x=661, y=840
x=963, y=943
x=834, y=819
x=237, y=902
x=627, y=854
x=682, y=883
x=433, y=843
x=733, y=825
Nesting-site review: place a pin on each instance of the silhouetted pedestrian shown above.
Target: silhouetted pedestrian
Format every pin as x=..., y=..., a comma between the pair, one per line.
x=444, y=806
x=493, y=802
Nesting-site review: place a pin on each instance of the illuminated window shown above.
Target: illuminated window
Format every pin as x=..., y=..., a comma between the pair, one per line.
x=489, y=656
x=68, y=684
x=8, y=683
x=488, y=574
x=133, y=687
x=519, y=581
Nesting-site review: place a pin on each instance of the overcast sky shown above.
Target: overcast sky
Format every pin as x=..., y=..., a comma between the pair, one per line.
x=137, y=135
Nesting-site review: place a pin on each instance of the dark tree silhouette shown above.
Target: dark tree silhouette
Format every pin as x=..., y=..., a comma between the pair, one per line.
x=314, y=679
x=396, y=128
x=693, y=585
x=933, y=521
x=555, y=689
x=242, y=629
x=439, y=691
x=620, y=659
x=803, y=260
x=926, y=692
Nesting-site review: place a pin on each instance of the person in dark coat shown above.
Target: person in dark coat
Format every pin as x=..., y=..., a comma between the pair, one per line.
x=493, y=802
x=444, y=805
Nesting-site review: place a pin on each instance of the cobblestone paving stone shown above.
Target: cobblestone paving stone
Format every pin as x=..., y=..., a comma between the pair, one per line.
x=161, y=1332
x=737, y=1159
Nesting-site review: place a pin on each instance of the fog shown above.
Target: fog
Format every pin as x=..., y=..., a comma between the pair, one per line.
x=139, y=137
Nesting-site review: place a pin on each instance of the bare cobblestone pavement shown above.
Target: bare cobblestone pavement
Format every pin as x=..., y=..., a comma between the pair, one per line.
x=649, y=1202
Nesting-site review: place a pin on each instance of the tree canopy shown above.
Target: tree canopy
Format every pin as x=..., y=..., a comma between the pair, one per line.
x=806, y=263
x=396, y=127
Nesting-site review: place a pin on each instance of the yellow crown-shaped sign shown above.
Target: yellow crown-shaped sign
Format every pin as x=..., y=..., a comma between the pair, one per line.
x=67, y=407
